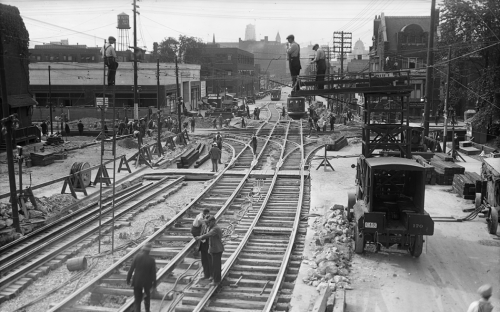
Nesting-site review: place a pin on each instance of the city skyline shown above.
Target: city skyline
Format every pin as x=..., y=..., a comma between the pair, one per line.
x=312, y=22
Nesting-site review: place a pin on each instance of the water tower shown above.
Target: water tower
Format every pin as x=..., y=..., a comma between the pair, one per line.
x=123, y=27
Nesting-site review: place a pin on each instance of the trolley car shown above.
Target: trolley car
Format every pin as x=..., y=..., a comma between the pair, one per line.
x=296, y=107
x=276, y=95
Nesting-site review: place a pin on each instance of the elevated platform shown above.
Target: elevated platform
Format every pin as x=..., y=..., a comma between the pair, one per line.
x=394, y=82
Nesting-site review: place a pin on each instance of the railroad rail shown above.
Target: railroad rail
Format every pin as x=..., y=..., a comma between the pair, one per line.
x=23, y=262
x=227, y=192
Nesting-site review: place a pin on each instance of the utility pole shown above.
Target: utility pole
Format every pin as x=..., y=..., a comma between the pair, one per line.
x=446, y=100
x=136, y=104
x=160, y=151
x=50, y=105
x=178, y=90
x=430, y=70
x=7, y=123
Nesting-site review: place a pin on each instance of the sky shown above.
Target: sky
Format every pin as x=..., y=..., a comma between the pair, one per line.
x=310, y=21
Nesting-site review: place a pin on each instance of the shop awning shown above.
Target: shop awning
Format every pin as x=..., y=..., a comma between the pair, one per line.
x=21, y=100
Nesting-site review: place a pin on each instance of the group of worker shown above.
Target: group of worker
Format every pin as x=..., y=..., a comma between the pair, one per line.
x=142, y=273
x=293, y=53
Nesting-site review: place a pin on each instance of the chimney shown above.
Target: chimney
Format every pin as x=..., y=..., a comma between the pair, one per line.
x=265, y=38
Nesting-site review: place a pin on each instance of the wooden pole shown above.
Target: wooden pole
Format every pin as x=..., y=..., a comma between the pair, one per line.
x=8, y=123
x=430, y=70
x=447, y=99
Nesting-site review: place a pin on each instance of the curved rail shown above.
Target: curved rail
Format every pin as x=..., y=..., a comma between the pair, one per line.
x=280, y=230
x=178, y=257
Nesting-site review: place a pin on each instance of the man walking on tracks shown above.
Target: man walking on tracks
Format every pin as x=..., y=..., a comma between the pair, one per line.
x=293, y=52
x=215, y=155
x=218, y=140
x=254, y=145
x=144, y=270
x=215, y=248
x=320, y=61
x=109, y=55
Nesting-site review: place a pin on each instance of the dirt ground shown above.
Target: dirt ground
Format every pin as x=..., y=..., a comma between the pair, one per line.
x=457, y=259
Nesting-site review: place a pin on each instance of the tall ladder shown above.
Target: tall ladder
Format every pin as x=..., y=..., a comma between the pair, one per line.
x=108, y=153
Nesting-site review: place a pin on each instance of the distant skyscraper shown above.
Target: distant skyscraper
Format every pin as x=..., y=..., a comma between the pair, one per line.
x=250, y=33
x=278, y=38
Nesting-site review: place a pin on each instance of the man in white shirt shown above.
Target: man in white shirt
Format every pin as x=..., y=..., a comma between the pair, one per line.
x=198, y=222
x=320, y=61
x=109, y=55
x=293, y=53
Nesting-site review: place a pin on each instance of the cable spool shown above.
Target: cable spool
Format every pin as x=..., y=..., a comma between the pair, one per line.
x=86, y=176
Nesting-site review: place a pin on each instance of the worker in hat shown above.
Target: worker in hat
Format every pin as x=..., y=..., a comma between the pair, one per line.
x=483, y=304
x=215, y=155
x=320, y=61
x=293, y=53
x=215, y=248
x=144, y=270
x=109, y=55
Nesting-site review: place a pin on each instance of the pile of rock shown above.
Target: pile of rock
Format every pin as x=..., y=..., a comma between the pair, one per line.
x=330, y=262
x=31, y=218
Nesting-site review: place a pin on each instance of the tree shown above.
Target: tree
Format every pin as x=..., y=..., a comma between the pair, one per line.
x=472, y=29
x=190, y=49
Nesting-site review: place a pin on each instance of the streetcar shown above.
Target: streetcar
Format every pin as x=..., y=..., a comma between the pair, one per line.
x=296, y=107
x=276, y=95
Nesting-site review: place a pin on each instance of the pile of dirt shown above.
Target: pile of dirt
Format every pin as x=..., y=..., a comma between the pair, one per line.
x=129, y=143
x=330, y=261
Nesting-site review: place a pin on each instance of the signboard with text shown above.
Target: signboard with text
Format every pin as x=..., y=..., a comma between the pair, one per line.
x=99, y=101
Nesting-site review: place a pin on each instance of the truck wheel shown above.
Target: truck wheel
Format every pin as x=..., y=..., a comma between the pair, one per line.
x=493, y=221
x=417, y=244
x=351, y=201
x=359, y=240
x=477, y=201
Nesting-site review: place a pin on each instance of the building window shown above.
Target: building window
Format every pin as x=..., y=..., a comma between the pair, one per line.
x=417, y=91
x=229, y=72
x=51, y=58
x=70, y=57
x=229, y=57
x=65, y=58
x=38, y=58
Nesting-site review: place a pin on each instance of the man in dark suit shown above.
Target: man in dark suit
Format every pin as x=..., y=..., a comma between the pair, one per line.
x=215, y=155
x=215, y=248
x=144, y=277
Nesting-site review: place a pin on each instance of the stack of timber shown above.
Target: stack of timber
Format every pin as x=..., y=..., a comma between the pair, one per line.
x=430, y=173
x=445, y=170
x=465, y=184
x=467, y=148
x=42, y=158
x=337, y=145
x=202, y=159
x=443, y=157
x=190, y=156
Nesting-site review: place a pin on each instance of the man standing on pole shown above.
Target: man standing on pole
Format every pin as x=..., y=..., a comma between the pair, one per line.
x=293, y=52
x=109, y=55
x=320, y=61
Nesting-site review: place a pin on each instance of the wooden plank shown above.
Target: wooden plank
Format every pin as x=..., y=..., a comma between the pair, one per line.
x=320, y=305
x=339, y=305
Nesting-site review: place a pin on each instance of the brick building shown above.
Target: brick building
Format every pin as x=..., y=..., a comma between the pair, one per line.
x=269, y=55
x=400, y=43
x=229, y=69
